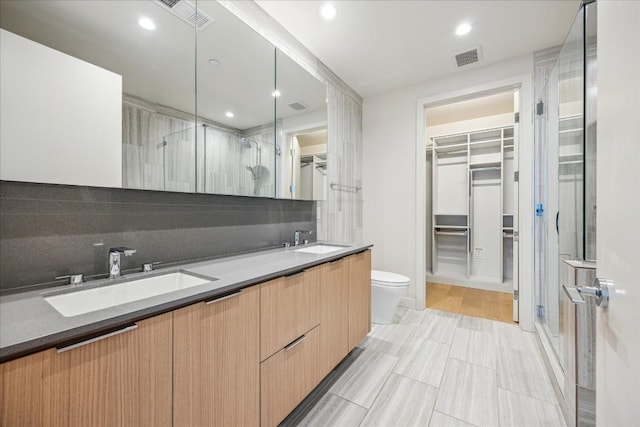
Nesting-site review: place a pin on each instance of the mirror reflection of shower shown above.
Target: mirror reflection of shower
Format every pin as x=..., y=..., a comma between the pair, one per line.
x=213, y=159
x=259, y=172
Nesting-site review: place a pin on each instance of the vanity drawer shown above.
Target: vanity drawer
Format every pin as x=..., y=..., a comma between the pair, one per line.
x=289, y=307
x=288, y=376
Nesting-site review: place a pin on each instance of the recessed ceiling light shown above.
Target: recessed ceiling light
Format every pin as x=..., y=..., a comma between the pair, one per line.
x=214, y=62
x=146, y=23
x=463, y=29
x=276, y=93
x=329, y=11
x=229, y=114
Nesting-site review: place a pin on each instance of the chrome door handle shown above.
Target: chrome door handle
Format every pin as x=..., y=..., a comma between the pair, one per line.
x=599, y=290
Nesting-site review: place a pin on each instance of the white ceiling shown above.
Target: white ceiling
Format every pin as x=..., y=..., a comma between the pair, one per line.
x=375, y=46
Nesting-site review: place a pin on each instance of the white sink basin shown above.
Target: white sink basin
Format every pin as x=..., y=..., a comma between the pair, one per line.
x=320, y=249
x=86, y=301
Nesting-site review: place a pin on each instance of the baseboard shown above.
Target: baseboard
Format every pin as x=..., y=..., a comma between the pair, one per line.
x=475, y=283
x=408, y=303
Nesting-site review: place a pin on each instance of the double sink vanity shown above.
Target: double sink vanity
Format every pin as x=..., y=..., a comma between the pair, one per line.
x=240, y=340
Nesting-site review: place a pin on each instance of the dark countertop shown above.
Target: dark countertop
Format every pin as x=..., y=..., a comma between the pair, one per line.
x=29, y=324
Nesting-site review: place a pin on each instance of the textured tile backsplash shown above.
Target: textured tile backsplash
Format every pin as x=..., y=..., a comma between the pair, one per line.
x=51, y=230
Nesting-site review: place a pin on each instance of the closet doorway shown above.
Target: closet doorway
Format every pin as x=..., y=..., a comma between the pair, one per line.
x=472, y=205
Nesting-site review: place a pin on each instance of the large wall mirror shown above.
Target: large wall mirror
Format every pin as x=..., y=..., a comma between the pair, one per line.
x=154, y=94
x=301, y=129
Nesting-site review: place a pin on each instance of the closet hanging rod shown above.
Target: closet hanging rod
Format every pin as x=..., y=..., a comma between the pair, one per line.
x=574, y=162
x=488, y=168
x=343, y=187
x=452, y=233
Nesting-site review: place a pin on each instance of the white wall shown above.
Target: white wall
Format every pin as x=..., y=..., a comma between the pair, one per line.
x=61, y=117
x=390, y=174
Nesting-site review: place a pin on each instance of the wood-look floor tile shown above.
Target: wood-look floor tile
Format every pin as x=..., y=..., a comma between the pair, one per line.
x=402, y=402
x=438, y=326
x=389, y=339
x=454, y=291
x=333, y=410
x=473, y=346
x=524, y=372
x=468, y=392
x=506, y=311
x=491, y=307
x=470, y=302
x=423, y=360
x=438, y=419
x=362, y=380
x=517, y=410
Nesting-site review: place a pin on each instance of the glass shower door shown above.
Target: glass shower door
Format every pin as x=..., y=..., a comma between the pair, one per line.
x=179, y=149
x=566, y=210
x=569, y=163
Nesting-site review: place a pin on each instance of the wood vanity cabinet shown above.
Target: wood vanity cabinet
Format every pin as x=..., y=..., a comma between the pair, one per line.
x=334, y=313
x=359, y=297
x=289, y=307
x=288, y=376
x=122, y=378
x=290, y=342
x=21, y=398
x=242, y=359
x=216, y=361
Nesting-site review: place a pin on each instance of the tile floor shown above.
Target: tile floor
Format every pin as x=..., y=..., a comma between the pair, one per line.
x=433, y=368
x=471, y=302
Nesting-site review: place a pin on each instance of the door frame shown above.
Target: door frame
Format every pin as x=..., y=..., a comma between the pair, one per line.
x=524, y=83
x=286, y=135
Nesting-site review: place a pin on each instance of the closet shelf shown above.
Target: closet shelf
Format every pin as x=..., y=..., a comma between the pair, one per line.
x=472, y=182
x=570, y=130
x=482, y=165
x=486, y=143
x=452, y=147
x=450, y=258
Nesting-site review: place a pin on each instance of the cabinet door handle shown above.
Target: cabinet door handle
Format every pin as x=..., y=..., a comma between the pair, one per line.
x=297, y=273
x=228, y=296
x=98, y=338
x=294, y=343
x=337, y=261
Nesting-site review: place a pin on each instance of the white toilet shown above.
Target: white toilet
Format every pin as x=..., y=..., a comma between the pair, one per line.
x=386, y=291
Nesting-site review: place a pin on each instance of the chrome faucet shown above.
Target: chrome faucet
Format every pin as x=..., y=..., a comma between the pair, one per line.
x=114, y=260
x=296, y=236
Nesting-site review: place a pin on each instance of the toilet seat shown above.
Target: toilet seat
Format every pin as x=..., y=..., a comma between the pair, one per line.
x=387, y=279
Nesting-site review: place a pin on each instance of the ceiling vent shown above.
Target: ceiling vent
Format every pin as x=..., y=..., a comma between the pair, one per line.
x=468, y=57
x=186, y=11
x=298, y=106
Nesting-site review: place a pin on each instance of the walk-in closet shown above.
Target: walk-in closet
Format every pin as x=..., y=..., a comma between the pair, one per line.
x=472, y=193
